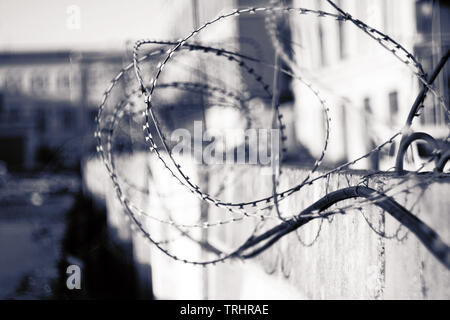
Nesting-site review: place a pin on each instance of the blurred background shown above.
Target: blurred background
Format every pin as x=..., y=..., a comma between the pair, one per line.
x=58, y=57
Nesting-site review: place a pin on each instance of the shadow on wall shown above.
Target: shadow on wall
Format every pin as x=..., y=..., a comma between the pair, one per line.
x=106, y=272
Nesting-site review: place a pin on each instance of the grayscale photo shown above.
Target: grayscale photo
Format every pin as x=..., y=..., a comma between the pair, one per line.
x=241, y=151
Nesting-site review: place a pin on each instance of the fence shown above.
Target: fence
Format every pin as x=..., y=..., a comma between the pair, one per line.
x=362, y=254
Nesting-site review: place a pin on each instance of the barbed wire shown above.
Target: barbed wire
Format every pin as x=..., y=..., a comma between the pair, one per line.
x=261, y=208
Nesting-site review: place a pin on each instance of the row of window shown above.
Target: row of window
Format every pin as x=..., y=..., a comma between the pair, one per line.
x=43, y=118
x=363, y=11
x=424, y=11
x=393, y=107
x=374, y=159
x=38, y=83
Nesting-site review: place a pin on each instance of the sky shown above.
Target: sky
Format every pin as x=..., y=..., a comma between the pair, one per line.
x=87, y=24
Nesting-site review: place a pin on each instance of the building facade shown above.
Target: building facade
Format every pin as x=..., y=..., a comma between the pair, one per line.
x=48, y=102
x=368, y=90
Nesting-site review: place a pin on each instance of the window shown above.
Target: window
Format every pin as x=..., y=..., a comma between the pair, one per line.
x=286, y=94
x=14, y=114
x=63, y=81
x=68, y=118
x=341, y=36
x=92, y=115
x=387, y=10
x=392, y=149
x=342, y=41
x=41, y=123
x=393, y=106
x=39, y=83
x=367, y=107
x=321, y=44
x=344, y=131
x=432, y=114
x=370, y=143
x=320, y=35
x=424, y=16
x=13, y=82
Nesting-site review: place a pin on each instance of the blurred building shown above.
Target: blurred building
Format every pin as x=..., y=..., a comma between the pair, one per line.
x=49, y=99
x=248, y=35
x=48, y=102
x=368, y=90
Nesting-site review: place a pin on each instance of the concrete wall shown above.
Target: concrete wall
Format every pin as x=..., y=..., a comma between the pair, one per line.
x=347, y=260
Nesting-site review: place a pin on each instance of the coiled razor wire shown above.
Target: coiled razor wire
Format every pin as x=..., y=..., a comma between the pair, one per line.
x=106, y=125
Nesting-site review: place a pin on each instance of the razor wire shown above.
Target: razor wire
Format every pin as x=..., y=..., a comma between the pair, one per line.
x=145, y=91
